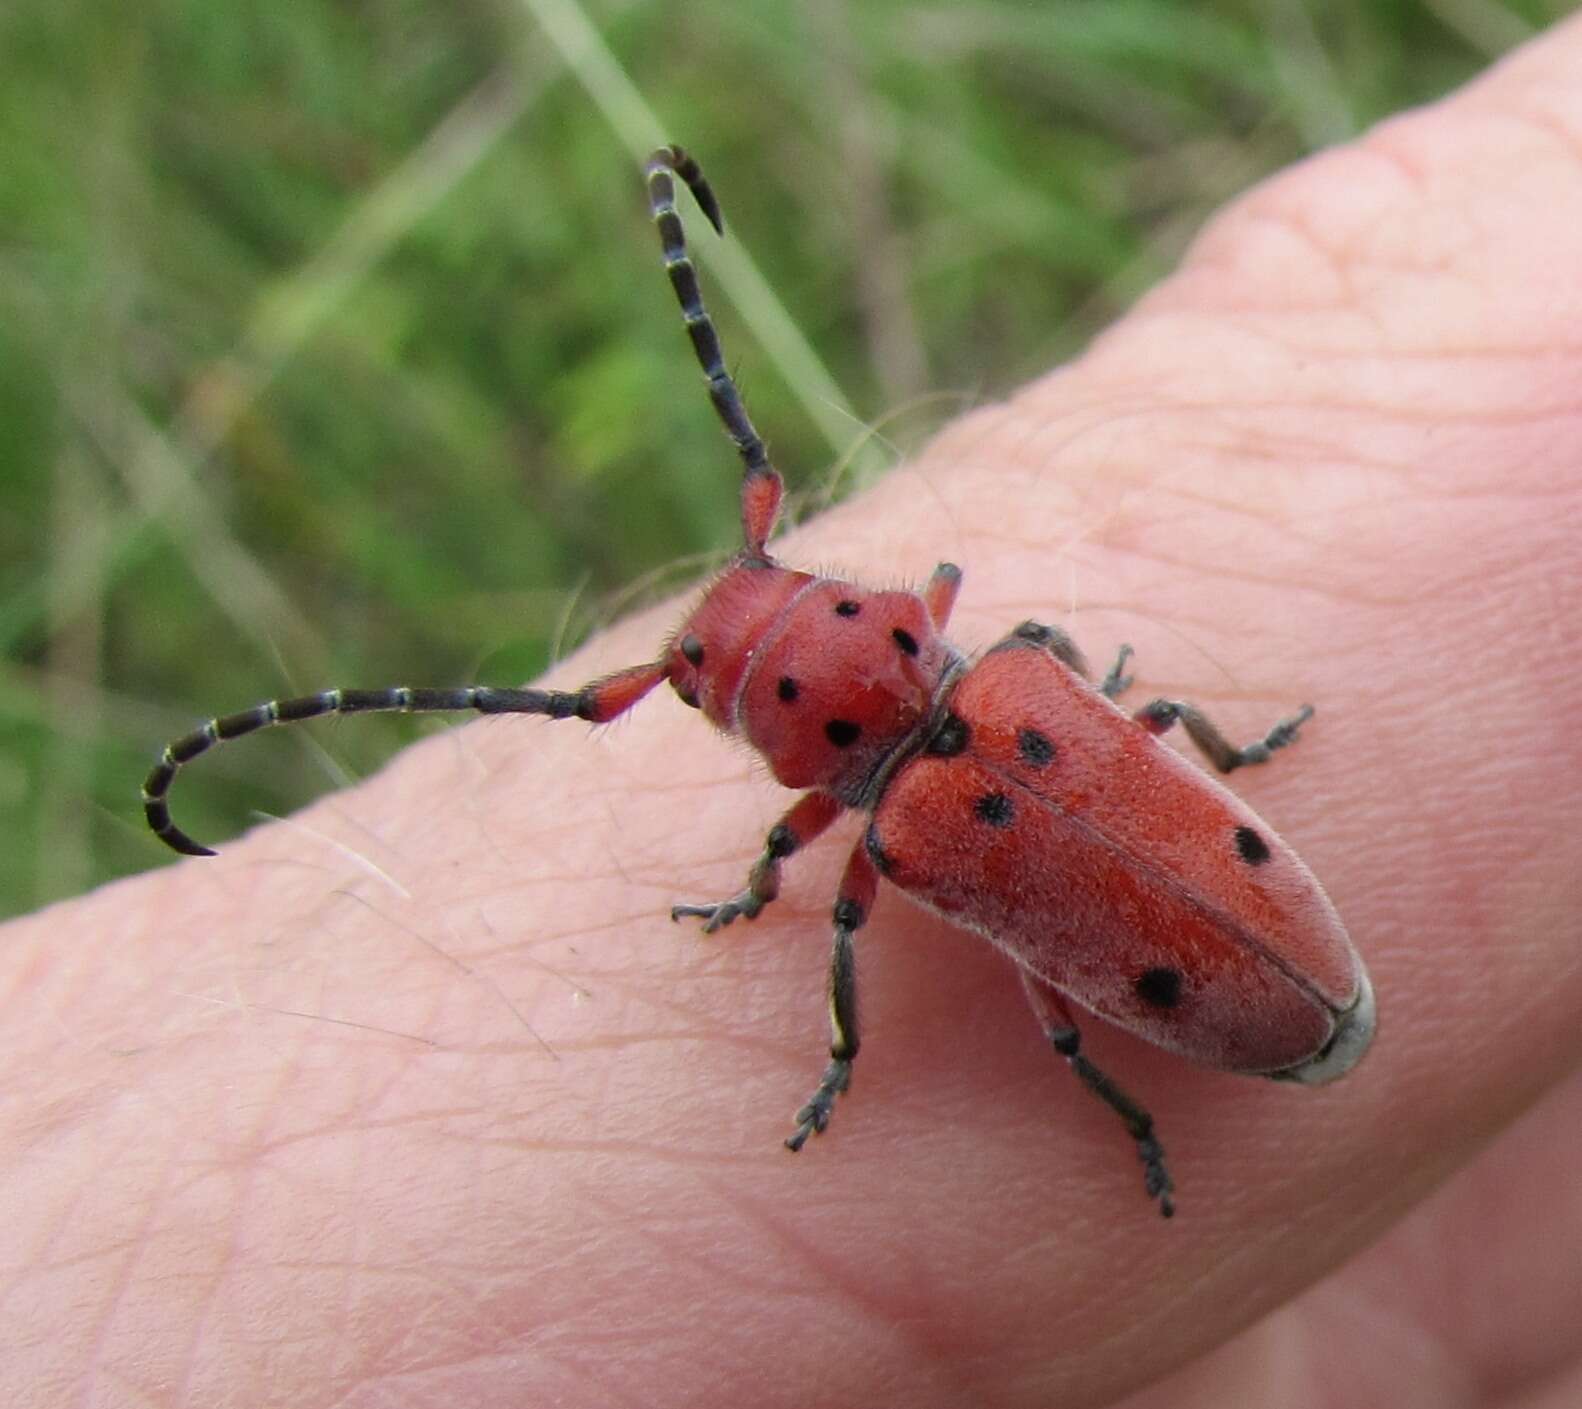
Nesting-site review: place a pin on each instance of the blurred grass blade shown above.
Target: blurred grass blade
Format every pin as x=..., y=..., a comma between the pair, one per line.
x=640, y=131
x=291, y=311
x=286, y=315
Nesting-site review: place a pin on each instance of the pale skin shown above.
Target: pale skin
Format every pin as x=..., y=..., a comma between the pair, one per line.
x=277, y=1130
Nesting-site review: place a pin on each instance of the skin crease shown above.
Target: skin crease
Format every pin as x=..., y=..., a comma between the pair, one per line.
x=1335, y=458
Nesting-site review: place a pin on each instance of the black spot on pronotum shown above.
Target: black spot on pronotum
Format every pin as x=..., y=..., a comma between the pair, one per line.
x=1252, y=848
x=883, y=862
x=950, y=738
x=787, y=689
x=692, y=650
x=842, y=732
x=847, y=607
x=905, y=640
x=1158, y=988
x=996, y=809
x=1035, y=748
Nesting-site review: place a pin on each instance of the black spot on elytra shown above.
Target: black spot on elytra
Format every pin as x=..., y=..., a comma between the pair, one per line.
x=692, y=650
x=950, y=738
x=847, y=607
x=996, y=809
x=842, y=732
x=1253, y=849
x=1158, y=988
x=905, y=640
x=787, y=689
x=1035, y=748
x=882, y=860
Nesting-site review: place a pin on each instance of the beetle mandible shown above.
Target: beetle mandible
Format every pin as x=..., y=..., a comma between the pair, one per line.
x=1008, y=794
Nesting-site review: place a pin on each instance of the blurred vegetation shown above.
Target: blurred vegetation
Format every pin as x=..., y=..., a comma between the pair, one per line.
x=334, y=347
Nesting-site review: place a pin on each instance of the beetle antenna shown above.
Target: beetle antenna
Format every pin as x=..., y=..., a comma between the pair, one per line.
x=762, y=487
x=598, y=702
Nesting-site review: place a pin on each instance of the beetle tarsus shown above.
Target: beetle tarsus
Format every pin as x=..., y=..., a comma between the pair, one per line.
x=1156, y=1178
x=1117, y=682
x=745, y=905
x=813, y=1118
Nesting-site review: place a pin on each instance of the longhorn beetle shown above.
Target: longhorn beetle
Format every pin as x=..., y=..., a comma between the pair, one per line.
x=1006, y=793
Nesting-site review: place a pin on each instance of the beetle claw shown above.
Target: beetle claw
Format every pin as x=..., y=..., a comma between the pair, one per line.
x=1156, y=1178
x=722, y=912
x=813, y=1118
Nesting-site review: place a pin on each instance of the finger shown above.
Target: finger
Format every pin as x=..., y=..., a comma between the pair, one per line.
x=1264, y=471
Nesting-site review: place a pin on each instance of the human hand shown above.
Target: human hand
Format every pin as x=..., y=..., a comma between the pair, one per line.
x=1335, y=457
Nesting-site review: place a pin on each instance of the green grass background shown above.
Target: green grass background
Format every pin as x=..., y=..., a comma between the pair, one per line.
x=334, y=347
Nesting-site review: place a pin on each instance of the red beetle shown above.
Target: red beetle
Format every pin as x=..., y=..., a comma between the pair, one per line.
x=1007, y=793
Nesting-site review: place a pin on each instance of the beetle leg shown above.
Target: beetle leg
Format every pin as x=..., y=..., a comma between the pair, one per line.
x=857, y=889
x=1053, y=640
x=1159, y=715
x=1055, y=1018
x=1116, y=683
x=810, y=816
